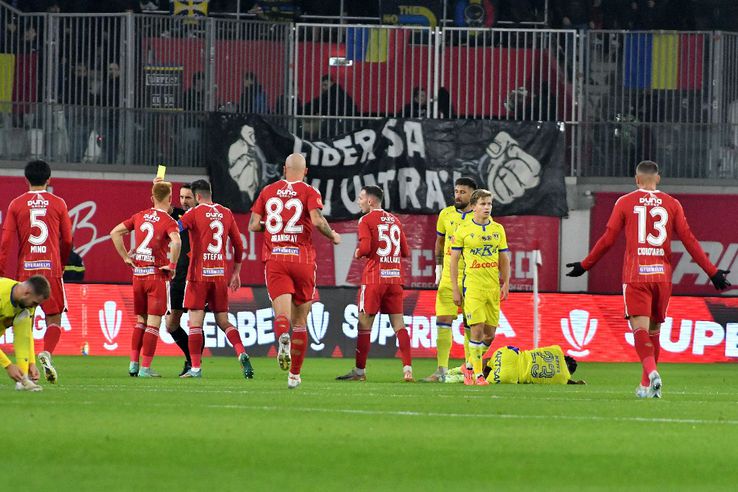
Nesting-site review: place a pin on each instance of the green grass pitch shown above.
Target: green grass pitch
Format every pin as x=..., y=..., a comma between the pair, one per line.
x=101, y=430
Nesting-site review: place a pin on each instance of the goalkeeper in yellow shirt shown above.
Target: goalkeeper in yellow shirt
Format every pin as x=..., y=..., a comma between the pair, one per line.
x=510, y=365
x=18, y=302
x=485, y=279
x=449, y=220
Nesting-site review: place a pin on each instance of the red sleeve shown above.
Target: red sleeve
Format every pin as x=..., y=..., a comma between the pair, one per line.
x=690, y=242
x=314, y=199
x=365, y=238
x=614, y=226
x=235, y=236
x=9, y=227
x=258, y=206
x=185, y=221
x=128, y=223
x=404, y=248
x=65, y=246
x=172, y=227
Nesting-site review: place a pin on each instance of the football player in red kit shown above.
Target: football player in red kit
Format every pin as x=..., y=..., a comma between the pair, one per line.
x=157, y=239
x=286, y=212
x=40, y=221
x=383, y=242
x=209, y=225
x=650, y=217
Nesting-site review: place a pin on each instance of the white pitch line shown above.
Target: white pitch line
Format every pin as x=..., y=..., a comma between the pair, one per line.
x=411, y=413
x=414, y=413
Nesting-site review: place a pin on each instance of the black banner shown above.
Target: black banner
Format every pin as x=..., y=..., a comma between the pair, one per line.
x=415, y=161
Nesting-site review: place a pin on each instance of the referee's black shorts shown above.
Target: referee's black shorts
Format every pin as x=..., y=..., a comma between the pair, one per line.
x=176, y=295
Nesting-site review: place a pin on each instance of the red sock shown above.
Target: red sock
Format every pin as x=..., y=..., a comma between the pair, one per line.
x=656, y=342
x=235, y=338
x=403, y=340
x=298, y=348
x=137, y=341
x=644, y=349
x=151, y=336
x=51, y=337
x=363, y=343
x=195, y=343
x=281, y=325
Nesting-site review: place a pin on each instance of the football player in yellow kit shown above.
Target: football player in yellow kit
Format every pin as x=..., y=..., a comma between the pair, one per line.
x=485, y=280
x=18, y=301
x=449, y=220
x=510, y=365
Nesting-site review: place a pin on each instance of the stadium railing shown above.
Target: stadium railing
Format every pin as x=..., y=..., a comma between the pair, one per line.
x=129, y=89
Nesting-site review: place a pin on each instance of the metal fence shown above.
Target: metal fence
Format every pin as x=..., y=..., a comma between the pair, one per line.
x=665, y=96
x=137, y=89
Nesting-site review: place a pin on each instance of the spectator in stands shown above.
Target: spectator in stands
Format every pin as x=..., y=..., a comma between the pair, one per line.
x=111, y=118
x=334, y=102
x=76, y=92
x=445, y=110
x=418, y=107
x=253, y=98
x=572, y=14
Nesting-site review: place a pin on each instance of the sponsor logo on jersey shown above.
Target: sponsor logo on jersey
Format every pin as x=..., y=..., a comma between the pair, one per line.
x=213, y=272
x=650, y=201
x=388, y=218
x=286, y=251
x=389, y=273
x=486, y=250
x=152, y=217
x=497, y=366
x=149, y=270
x=650, y=269
x=38, y=203
x=579, y=330
x=37, y=265
x=214, y=214
x=286, y=193
x=483, y=264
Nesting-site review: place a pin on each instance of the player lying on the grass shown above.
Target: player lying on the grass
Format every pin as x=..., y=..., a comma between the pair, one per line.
x=510, y=365
x=287, y=211
x=483, y=244
x=210, y=225
x=157, y=235
x=39, y=220
x=383, y=242
x=449, y=220
x=650, y=218
x=18, y=301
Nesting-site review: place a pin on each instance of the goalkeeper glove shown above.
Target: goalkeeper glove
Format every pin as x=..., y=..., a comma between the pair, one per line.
x=719, y=280
x=439, y=272
x=577, y=270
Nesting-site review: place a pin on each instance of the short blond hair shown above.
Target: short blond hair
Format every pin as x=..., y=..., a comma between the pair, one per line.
x=478, y=194
x=161, y=190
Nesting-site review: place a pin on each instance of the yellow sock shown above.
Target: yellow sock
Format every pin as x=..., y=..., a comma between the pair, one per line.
x=467, y=353
x=478, y=353
x=444, y=340
x=22, y=341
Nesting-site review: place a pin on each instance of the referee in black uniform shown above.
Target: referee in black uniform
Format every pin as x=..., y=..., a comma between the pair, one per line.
x=177, y=284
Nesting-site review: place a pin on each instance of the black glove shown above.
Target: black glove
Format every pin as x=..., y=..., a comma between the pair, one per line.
x=577, y=270
x=719, y=280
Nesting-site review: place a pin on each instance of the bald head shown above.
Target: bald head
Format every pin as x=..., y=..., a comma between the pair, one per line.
x=295, y=167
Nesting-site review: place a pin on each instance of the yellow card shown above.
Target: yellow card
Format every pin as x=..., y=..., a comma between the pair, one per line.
x=161, y=171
